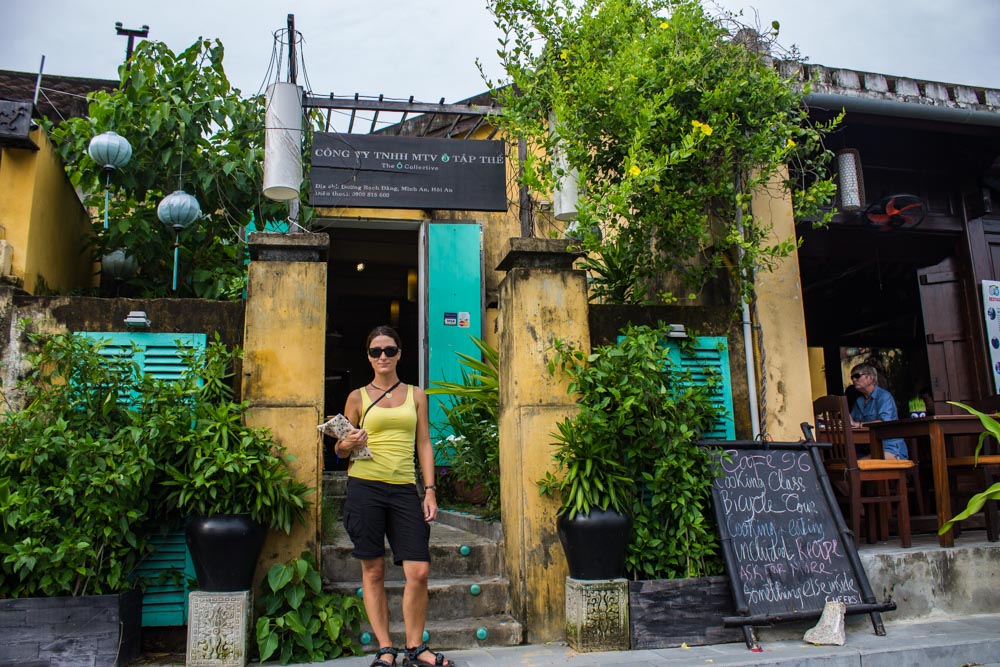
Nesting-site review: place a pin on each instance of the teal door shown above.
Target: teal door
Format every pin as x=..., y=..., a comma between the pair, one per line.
x=454, y=275
x=168, y=569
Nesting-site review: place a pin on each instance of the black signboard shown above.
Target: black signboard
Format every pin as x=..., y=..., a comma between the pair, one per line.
x=15, y=125
x=382, y=171
x=786, y=546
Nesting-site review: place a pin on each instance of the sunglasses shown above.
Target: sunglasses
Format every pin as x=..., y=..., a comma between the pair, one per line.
x=855, y=376
x=376, y=352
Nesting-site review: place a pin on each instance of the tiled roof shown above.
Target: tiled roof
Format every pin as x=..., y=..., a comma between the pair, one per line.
x=882, y=89
x=60, y=97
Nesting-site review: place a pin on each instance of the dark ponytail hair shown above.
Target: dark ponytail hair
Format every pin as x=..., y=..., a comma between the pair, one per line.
x=383, y=330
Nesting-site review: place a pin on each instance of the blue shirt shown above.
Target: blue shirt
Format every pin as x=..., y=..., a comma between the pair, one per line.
x=880, y=406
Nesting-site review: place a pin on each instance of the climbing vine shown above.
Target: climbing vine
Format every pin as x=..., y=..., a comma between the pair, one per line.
x=672, y=119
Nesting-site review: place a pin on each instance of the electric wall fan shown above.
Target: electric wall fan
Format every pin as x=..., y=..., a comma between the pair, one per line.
x=895, y=213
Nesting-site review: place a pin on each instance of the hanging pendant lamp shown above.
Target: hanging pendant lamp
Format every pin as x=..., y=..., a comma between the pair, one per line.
x=177, y=211
x=112, y=151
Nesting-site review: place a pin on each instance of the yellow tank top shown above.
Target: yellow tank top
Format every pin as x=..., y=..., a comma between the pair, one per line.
x=392, y=439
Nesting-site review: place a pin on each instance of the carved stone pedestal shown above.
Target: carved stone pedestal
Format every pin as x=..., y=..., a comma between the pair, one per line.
x=597, y=614
x=218, y=629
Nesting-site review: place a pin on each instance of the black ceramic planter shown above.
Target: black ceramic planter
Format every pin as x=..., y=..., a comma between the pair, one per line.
x=595, y=543
x=224, y=550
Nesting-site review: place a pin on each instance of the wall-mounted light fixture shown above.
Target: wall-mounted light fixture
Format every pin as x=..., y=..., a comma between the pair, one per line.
x=850, y=181
x=411, y=285
x=394, y=313
x=360, y=267
x=137, y=321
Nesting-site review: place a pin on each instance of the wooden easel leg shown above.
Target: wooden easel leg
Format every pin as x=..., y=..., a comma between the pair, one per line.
x=750, y=637
x=877, y=623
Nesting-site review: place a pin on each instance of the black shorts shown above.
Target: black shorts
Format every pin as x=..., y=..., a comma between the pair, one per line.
x=375, y=511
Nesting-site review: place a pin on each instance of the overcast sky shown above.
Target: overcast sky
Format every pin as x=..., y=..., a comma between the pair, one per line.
x=428, y=48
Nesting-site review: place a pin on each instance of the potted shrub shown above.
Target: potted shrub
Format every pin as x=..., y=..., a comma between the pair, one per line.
x=631, y=450
x=230, y=482
x=77, y=470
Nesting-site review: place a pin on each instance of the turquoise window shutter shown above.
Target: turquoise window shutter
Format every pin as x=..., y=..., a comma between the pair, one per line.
x=709, y=358
x=167, y=572
x=169, y=568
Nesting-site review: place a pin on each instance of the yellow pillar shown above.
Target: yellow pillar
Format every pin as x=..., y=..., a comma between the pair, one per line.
x=541, y=298
x=284, y=345
x=782, y=353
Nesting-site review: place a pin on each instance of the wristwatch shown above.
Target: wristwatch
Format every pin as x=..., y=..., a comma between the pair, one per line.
x=429, y=487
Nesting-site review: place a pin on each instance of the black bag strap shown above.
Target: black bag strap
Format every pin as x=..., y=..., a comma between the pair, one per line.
x=384, y=394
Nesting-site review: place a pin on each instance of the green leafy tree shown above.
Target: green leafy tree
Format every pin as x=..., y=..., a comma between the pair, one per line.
x=191, y=130
x=672, y=119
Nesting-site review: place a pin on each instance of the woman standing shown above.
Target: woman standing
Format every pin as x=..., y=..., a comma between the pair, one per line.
x=382, y=499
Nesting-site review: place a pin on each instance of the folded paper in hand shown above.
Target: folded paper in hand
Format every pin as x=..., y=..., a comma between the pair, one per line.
x=338, y=427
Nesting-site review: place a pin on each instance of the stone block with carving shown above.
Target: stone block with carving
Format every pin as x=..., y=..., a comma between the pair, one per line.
x=597, y=614
x=218, y=629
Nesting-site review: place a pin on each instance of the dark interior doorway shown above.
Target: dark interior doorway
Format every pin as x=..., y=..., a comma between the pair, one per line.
x=372, y=280
x=862, y=300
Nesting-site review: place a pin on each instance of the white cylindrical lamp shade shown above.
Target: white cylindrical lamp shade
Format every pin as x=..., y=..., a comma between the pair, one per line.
x=567, y=179
x=283, y=141
x=850, y=183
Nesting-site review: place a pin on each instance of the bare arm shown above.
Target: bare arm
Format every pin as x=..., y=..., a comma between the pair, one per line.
x=357, y=437
x=425, y=453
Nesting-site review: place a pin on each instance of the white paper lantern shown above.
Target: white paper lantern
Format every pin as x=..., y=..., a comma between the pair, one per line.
x=283, y=142
x=567, y=188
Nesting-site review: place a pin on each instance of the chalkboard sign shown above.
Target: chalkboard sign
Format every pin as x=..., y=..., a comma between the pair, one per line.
x=786, y=545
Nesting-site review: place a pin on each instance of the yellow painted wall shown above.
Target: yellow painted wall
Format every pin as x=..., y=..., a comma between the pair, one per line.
x=284, y=347
x=817, y=372
x=43, y=220
x=781, y=319
x=537, y=306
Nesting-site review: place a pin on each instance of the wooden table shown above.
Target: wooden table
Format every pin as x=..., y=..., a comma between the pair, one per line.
x=939, y=430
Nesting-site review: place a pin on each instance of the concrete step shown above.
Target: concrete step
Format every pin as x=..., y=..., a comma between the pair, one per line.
x=447, y=556
x=444, y=635
x=448, y=599
x=471, y=524
x=455, y=616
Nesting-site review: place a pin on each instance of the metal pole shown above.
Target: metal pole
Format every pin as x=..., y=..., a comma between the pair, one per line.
x=292, y=75
x=38, y=82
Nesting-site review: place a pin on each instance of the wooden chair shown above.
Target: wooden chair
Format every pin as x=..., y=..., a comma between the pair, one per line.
x=984, y=468
x=860, y=477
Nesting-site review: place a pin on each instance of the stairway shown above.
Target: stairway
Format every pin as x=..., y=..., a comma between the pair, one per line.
x=468, y=591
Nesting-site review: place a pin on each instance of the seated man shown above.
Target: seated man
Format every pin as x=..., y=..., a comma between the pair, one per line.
x=873, y=405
